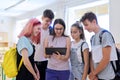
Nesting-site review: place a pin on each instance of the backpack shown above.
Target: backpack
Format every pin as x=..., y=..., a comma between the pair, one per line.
x=83, y=56
x=117, y=62
x=9, y=64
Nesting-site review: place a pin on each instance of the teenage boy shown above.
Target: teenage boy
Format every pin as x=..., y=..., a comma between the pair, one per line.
x=39, y=58
x=101, y=69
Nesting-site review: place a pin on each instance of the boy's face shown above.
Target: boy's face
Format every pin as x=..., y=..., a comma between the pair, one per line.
x=46, y=22
x=88, y=25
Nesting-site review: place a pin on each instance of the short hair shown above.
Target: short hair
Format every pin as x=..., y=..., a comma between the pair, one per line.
x=28, y=29
x=89, y=16
x=48, y=13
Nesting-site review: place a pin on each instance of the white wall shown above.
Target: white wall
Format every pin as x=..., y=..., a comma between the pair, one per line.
x=115, y=19
x=6, y=25
x=57, y=7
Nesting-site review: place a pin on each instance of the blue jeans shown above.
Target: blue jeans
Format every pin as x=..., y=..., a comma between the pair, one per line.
x=57, y=74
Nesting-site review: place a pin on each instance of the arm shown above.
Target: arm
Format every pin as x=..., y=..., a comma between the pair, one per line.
x=46, y=45
x=86, y=63
x=68, y=45
x=37, y=71
x=27, y=63
x=104, y=62
x=91, y=63
x=91, y=76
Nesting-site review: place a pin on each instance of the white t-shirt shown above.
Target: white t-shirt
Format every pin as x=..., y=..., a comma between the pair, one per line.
x=39, y=49
x=77, y=46
x=108, y=72
x=77, y=65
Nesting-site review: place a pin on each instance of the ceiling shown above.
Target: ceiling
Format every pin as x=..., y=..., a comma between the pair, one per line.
x=13, y=8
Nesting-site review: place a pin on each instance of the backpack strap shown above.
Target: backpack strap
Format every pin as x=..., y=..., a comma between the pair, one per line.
x=21, y=61
x=91, y=39
x=82, y=52
x=20, y=64
x=100, y=36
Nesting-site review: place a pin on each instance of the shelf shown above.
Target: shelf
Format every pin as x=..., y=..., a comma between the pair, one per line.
x=3, y=44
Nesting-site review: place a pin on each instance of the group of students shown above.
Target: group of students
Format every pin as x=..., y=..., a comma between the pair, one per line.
x=37, y=65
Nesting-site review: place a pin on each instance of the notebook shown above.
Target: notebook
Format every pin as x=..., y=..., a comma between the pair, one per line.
x=50, y=51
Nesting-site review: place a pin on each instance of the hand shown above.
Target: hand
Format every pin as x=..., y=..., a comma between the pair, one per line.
x=92, y=76
x=36, y=77
x=48, y=56
x=57, y=55
x=96, y=78
x=38, y=74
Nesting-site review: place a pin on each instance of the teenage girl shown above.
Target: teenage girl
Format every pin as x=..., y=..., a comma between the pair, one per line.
x=79, y=63
x=58, y=65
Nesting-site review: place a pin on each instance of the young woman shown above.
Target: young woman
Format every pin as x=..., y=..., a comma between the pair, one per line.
x=29, y=35
x=58, y=65
x=79, y=63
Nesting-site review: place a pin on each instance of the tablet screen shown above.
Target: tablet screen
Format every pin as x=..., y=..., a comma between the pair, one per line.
x=50, y=51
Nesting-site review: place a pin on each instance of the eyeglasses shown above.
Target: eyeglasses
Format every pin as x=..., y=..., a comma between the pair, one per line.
x=58, y=28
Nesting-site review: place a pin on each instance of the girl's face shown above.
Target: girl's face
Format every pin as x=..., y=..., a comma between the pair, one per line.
x=75, y=33
x=36, y=30
x=59, y=29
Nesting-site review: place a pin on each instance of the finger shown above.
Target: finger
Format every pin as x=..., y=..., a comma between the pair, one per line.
x=54, y=54
x=58, y=52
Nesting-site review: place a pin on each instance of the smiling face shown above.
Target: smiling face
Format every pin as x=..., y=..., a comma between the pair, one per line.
x=46, y=22
x=59, y=29
x=36, y=30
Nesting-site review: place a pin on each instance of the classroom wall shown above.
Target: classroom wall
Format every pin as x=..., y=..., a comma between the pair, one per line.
x=7, y=24
x=114, y=13
x=59, y=7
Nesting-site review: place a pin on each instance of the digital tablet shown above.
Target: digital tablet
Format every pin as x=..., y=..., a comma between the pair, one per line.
x=50, y=51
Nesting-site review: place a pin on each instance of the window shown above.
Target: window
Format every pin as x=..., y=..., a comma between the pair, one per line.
x=99, y=7
x=18, y=28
